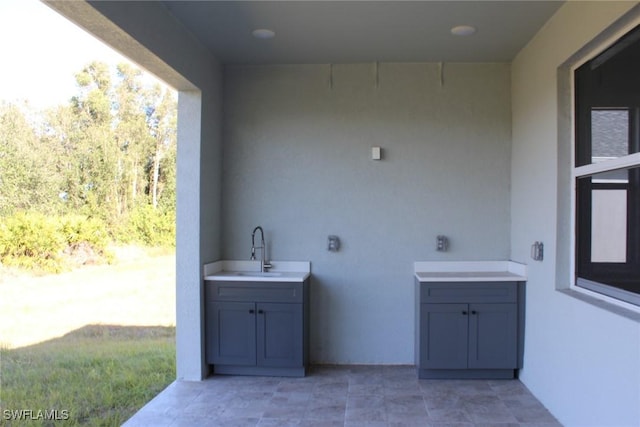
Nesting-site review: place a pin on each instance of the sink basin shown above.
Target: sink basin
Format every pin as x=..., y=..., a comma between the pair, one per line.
x=249, y=271
x=258, y=274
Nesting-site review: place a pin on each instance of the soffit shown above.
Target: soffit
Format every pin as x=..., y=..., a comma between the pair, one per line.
x=362, y=31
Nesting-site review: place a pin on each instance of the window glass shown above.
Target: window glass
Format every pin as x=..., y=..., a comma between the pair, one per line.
x=607, y=198
x=609, y=217
x=609, y=134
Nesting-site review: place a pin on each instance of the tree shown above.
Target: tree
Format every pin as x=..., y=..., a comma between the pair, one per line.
x=110, y=153
x=146, y=128
x=132, y=135
x=162, y=122
x=27, y=179
x=93, y=148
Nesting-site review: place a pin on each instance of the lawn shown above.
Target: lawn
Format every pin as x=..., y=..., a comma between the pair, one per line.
x=89, y=347
x=99, y=375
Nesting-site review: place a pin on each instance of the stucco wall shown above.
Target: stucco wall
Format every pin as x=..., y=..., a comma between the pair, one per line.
x=581, y=360
x=297, y=160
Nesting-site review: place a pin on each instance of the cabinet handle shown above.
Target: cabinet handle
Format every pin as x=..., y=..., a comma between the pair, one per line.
x=464, y=312
x=251, y=311
x=260, y=312
x=474, y=312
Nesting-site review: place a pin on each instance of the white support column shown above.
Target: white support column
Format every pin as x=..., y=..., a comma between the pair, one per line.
x=189, y=324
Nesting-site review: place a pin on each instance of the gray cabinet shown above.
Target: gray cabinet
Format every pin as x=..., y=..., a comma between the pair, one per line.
x=469, y=330
x=231, y=333
x=493, y=336
x=257, y=328
x=443, y=336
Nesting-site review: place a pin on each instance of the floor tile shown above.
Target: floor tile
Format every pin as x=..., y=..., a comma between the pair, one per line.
x=449, y=415
x=285, y=412
x=447, y=400
x=326, y=410
x=346, y=396
x=412, y=405
x=149, y=419
x=366, y=390
x=540, y=424
x=358, y=401
x=366, y=415
x=448, y=424
x=336, y=388
x=349, y=423
x=279, y=422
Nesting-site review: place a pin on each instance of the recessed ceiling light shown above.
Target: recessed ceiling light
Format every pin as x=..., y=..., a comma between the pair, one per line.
x=263, y=33
x=463, y=30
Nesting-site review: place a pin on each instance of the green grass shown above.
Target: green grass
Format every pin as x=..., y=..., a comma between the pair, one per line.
x=100, y=374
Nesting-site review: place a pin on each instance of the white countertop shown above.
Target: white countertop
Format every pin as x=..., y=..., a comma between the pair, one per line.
x=249, y=271
x=470, y=271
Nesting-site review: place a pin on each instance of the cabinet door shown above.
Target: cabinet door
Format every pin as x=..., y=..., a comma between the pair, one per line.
x=493, y=336
x=443, y=336
x=231, y=333
x=279, y=335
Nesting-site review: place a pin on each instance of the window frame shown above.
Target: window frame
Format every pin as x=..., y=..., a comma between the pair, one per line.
x=613, y=294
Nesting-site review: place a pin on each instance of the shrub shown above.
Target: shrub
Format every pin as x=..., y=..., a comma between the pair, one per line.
x=34, y=241
x=31, y=240
x=149, y=226
x=79, y=229
x=86, y=238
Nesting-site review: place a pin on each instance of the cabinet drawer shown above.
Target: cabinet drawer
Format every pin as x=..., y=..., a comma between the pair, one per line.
x=287, y=292
x=469, y=292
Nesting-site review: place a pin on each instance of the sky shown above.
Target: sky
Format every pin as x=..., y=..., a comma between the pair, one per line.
x=41, y=52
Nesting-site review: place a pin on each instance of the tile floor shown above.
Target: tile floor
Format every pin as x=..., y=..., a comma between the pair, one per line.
x=347, y=396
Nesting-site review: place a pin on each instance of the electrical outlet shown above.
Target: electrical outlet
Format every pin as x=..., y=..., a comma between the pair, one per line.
x=333, y=244
x=442, y=243
x=537, y=251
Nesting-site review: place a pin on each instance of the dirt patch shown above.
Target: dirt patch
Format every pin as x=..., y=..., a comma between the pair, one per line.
x=139, y=290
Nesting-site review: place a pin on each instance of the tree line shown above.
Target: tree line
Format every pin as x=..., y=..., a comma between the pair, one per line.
x=105, y=158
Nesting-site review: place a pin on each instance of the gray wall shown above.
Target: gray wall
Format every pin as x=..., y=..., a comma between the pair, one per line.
x=582, y=356
x=297, y=160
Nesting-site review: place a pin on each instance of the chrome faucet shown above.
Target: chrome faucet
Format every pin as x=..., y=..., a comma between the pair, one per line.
x=264, y=266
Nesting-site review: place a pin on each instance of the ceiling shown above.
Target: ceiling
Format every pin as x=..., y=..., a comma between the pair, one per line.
x=362, y=31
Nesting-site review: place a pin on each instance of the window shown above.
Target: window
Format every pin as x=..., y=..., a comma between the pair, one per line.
x=607, y=171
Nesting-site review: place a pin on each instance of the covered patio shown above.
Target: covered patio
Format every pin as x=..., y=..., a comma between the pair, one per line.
x=477, y=142
x=350, y=396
